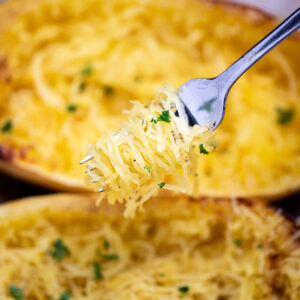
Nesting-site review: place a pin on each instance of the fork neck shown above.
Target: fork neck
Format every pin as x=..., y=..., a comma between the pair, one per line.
x=230, y=75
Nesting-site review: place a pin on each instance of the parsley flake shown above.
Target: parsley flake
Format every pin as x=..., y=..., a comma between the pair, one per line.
x=238, y=242
x=138, y=78
x=162, y=184
x=148, y=168
x=164, y=116
x=15, y=292
x=72, y=108
x=260, y=246
x=97, y=271
x=202, y=149
x=7, y=127
x=110, y=256
x=106, y=244
x=108, y=90
x=82, y=86
x=59, y=250
x=66, y=295
x=87, y=70
x=184, y=289
x=207, y=106
x=284, y=115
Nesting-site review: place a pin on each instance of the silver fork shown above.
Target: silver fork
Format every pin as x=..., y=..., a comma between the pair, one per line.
x=205, y=99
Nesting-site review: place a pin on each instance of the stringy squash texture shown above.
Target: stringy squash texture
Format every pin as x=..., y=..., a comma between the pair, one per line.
x=69, y=68
x=60, y=245
x=154, y=149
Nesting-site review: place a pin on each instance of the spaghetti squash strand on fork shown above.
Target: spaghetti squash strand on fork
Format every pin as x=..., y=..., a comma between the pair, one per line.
x=154, y=149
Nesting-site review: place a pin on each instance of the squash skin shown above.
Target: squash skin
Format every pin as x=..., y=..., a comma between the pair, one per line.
x=58, y=182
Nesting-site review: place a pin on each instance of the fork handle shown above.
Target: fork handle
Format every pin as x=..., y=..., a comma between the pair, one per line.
x=287, y=27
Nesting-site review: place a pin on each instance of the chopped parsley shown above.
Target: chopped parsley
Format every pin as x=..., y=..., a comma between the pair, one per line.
x=207, y=106
x=106, y=244
x=163, y=117
x=97, y=271
x=184, y=289
x=162, y=184
x=202, y=149
x=284, y=115
x=238, y=242
x=59, y=250
x=82, y=86
x=72, y=108
x=87, y=70
x=260, y=246
x=15, y=292
x=108, y=90
x=138, y=78
x=110, y=256
x=66, y=295
x=7, y=127
x=148, y=168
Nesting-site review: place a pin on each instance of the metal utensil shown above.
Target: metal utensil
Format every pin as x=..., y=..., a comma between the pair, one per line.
x=205, y=99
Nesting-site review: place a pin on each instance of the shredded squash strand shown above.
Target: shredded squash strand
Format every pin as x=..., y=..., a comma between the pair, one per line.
x=154, y=149
x=211, y=250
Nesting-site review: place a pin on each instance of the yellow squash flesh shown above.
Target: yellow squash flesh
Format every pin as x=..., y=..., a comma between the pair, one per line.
x=179, y=247
x=68, y=69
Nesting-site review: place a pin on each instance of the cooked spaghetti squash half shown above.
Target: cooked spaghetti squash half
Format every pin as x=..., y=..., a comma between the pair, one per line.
x=69, y=68
x=64, y=247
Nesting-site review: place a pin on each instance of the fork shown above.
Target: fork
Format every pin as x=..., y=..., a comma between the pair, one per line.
x=205, y=99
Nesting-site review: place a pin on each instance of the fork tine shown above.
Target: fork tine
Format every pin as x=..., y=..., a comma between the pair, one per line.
x=87, y=158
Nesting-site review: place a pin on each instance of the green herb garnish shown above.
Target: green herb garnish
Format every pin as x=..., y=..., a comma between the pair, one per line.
x=72, y=108
x=164, y=117
x=284, y=115
x=162, y=184
x=238, y=242
x=15, y=292
x=148, y=168
x=87, y=70
x=260, y=246
x=7, y=127
x=207, y=106
x=97, y=271
x=202, y=149
x=138, y=78
x=108, y=90
x=110, y=256
x=106, y=244
x=184, y=289
x=66, y=295
x=82, y=86
x=59, y=250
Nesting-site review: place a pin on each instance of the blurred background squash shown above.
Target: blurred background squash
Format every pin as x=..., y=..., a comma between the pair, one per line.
x=179, y=248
